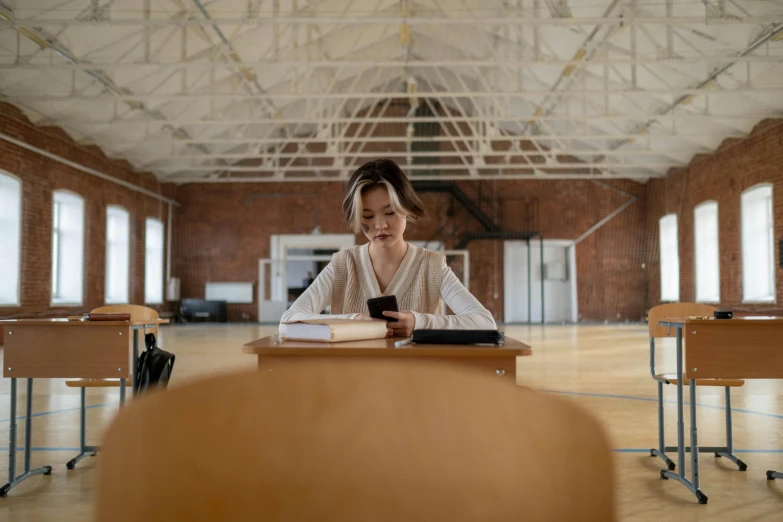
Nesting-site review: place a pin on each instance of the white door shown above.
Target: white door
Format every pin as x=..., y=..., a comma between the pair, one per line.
x=559, y=282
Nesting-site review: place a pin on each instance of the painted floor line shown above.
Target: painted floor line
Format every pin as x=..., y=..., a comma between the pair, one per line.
x=579, y=394
x=670, y=401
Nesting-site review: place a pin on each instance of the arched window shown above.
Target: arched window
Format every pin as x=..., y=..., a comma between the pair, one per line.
x=10, y=239
x=67, y=248
x=117, y=254
x=706, y=246
x=153, y=262
x=670, y=258
x=758, y=253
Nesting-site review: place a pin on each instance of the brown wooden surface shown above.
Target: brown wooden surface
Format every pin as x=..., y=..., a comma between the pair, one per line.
x=56, y=350
x=96, y=383
x=502, y=366
x=137, y=313
x=744, y=321
x=65, y=322
x=352, y=440
x=658, y=313
x=272, y=345
x=734, y=348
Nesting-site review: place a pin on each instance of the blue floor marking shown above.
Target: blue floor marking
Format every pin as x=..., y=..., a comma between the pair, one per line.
x=671, y=401
x=616, y=450
x=647, y=450
x=45, y=449
x=41, y=414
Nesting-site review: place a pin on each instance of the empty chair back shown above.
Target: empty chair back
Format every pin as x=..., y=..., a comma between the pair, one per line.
x=679, y=310
x=137, y=313
x=352, y=441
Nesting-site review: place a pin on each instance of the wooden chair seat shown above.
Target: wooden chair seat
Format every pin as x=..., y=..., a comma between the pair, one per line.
x=671, y=378
x=96, y=383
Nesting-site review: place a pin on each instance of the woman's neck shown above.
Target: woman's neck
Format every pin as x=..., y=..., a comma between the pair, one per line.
x=391, y=256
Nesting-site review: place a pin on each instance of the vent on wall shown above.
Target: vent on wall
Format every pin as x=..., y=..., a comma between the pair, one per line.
x=555, y=271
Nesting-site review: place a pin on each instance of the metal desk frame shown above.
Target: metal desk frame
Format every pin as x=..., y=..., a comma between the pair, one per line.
x=680, y=474
x=13, y=479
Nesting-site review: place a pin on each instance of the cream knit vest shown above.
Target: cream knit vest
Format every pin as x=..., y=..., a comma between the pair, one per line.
x=416, y=283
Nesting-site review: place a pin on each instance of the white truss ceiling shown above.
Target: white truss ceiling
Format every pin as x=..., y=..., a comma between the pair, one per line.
x=244, y=90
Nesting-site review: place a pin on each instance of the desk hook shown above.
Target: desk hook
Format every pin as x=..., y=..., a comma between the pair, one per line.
x=670, y=330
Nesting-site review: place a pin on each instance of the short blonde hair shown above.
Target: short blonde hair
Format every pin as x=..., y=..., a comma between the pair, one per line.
x=383, y=172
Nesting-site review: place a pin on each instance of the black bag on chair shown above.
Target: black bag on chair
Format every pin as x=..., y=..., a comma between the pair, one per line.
x=154, y=367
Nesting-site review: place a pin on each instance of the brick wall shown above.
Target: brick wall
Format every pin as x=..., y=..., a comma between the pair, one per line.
x=40, y=176
x=722, y=176
x=222, y=230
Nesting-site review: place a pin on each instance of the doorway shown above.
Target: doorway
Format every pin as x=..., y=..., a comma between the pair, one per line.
x=536, y=288
x=293, y=256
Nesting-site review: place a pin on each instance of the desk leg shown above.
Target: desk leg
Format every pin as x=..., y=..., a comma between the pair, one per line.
x=123, y=383
x=772, y=475
x=84, y=449
x=13, y=480
x=135, y=362
x=694, y=440
x=680, y=419
x=680, y=475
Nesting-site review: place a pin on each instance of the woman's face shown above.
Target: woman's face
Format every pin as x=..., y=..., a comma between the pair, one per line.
x=380, y=223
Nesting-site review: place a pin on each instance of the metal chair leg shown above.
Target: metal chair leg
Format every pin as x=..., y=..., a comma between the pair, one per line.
x=661, y=451
x=729, y=453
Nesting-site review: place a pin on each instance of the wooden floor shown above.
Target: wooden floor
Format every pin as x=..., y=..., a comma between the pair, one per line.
x=603, y=368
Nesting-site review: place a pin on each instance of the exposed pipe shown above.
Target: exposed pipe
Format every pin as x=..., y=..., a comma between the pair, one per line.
x=604, y=220
x=541, y=252
x=168, y=244
x=86, y=170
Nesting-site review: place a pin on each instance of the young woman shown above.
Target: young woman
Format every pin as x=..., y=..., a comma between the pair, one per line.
x=380, y=201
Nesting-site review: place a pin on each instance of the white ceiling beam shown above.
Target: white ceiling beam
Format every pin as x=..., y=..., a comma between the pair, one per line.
x=641, y=176
x=705, y=117
x=303, y=153
x=309, y=139
x=265, y=64
x=414, y=167
x=510, y=19
x=68, y=98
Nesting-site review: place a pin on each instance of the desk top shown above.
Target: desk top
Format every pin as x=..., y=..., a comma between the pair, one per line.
x=739, y=321
x=65, y=322
x=384, y=348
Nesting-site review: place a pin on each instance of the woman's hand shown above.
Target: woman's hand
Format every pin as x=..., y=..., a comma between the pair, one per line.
x=406, y=321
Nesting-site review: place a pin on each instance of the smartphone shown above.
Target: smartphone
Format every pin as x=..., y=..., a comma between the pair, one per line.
x=378, y=305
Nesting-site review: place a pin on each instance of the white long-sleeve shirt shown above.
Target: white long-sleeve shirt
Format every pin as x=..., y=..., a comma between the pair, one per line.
x=469, y=314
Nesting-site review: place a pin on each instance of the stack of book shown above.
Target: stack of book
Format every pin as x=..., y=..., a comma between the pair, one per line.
x=332, y=330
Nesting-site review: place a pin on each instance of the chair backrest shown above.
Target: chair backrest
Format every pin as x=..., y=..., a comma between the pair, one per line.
x=657, y=313
x=137, y=313
x=355, y=440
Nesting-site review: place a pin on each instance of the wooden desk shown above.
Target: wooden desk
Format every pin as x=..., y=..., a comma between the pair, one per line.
x=739, y=348
x=58, y=348
x=274, y=353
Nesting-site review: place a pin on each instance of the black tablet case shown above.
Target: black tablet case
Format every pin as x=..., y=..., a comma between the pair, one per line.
x=458, y=337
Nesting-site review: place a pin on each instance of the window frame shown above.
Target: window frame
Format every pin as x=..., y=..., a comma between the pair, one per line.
x=772, y=268
x=663, y=298
x=147, y=220
x=106, y=300
x=18, y=300
x=55, y=215
x=704, y=204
